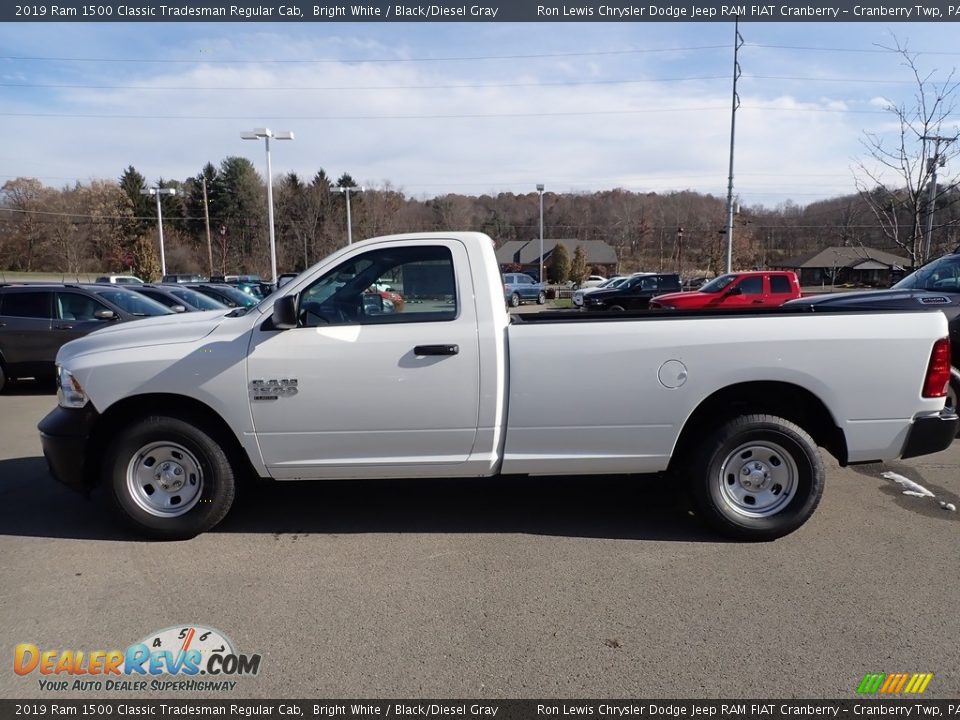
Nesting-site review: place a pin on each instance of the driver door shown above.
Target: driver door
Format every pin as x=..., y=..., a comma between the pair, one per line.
x=372, y=381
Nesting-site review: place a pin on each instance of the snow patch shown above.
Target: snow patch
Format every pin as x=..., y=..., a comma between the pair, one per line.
x=910, y=487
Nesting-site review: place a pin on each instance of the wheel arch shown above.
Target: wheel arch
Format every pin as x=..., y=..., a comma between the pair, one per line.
x=783, y=399
x=182, y=407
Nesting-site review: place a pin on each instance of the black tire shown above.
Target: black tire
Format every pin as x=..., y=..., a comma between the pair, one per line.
x=515, y=300
x=541, y=298
x=762, y=453
x=3, y=377
x=953, y=394
x=201, y=457
x=616, y=308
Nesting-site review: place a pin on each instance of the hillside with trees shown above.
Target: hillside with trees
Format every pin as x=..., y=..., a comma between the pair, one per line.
x=106, y=225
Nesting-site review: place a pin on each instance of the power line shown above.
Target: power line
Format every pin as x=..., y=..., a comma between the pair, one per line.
x=302, y=61
x=449, y=86
x=442, y=116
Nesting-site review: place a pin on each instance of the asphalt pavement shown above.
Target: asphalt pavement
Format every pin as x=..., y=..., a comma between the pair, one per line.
x=586, y=587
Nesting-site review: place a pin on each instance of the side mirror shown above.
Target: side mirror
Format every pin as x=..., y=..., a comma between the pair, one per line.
x=735, y=291
x=285, y=312
x=178, y=308
x=104, y=314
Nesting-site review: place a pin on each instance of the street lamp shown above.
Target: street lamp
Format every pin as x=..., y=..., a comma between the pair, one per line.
x=346, y=191
x=158, y=191
x=540, y=193
x=266, y=134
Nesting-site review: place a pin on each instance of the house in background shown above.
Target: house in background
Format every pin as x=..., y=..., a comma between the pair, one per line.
x=524, y=255
x=851, y=264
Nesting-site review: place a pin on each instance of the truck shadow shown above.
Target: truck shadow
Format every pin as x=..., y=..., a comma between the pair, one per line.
x=32, y=504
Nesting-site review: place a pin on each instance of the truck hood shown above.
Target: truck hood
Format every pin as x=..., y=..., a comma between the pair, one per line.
x=905, y=299
x=693, y=297
x=162, y=330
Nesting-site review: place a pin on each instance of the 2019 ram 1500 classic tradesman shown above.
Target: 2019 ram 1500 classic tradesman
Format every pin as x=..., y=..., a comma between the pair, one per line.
x=168, y=414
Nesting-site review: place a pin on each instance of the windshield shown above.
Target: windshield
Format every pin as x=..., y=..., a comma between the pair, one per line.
x=238, y=297
x=718, y=284
x=942, y=275
x=134, y=303
x=198, y=300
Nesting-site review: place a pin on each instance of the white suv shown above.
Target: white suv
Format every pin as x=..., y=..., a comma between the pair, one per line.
x=120, y=280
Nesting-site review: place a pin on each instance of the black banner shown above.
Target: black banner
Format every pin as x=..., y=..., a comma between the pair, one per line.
x=469, y=709
x=481, y=11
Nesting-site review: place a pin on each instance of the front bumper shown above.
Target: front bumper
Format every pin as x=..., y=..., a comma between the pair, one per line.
x=65, y=435
x=931, y=434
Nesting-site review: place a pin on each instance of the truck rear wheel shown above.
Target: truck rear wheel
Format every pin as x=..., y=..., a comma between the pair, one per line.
x=758, y=477
x=169, y=478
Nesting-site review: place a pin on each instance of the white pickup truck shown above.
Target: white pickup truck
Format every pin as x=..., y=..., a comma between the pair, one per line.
x=334, y=377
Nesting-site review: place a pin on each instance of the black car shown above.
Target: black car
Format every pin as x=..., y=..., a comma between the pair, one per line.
x=634, y=294
x=935, y=286
x=175, y=296
x=226, y=294
x=37, y=319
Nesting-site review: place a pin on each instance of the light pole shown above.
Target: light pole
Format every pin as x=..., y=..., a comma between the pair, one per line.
x=158, y=191
x=266, y=134
x=346, y=191
x=540, y=193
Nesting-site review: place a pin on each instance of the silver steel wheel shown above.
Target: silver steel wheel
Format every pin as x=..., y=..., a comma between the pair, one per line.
x=164, y=479
x=758, y=479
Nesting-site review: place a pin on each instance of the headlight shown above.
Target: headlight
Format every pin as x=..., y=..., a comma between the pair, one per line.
x=69, y=392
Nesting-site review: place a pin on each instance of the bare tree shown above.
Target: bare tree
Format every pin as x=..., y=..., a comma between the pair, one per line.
x=897, y=179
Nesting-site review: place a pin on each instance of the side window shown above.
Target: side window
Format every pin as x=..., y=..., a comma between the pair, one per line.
x=752, y=285
x=779, y=284
x=73, y=306
x=421, y=281
x=27, y=304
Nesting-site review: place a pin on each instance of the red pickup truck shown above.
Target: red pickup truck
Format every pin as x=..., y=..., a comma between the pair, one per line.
x=740, y=289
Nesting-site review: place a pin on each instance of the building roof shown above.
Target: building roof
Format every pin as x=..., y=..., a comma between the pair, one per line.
x=852, y=256
x=528, y=251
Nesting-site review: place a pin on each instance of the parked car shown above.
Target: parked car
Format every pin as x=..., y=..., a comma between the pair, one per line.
x=174, y=296
x=613, y=282
x=250, y=284
x=120, y=280
x=520, y=288
x=36, y=319
x=634, y=294
x=226, y=294
x=182, y=278
x=592, y=281
x=761, y=288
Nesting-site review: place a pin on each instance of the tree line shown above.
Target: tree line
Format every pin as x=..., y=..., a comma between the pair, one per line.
x=216, y=223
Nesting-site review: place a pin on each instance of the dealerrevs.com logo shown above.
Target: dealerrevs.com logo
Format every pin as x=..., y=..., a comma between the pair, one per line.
x=183, y=658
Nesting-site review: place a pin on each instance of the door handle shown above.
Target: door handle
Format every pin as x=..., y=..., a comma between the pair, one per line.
x=758, y=302
x=64, y=327
x=436, y=350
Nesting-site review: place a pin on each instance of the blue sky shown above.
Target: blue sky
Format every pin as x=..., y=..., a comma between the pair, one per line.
x=578, y=107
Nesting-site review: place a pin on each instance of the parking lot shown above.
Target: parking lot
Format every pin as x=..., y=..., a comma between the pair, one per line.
x=554, y=587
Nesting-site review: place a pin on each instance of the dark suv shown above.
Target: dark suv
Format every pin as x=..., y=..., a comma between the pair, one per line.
x=634, y=294
x=35, y=320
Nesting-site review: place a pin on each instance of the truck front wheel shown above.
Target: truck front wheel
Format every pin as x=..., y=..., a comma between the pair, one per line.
x=758, y=477
x=169, y=478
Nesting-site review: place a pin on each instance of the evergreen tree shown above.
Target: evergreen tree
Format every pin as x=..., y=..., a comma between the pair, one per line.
x=579, y=270
x=559, y=271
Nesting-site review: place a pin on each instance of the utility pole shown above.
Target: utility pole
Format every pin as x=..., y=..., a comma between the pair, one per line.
x=932, y=164
x=680, y=251
x=206, y=217
x=737, y=44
